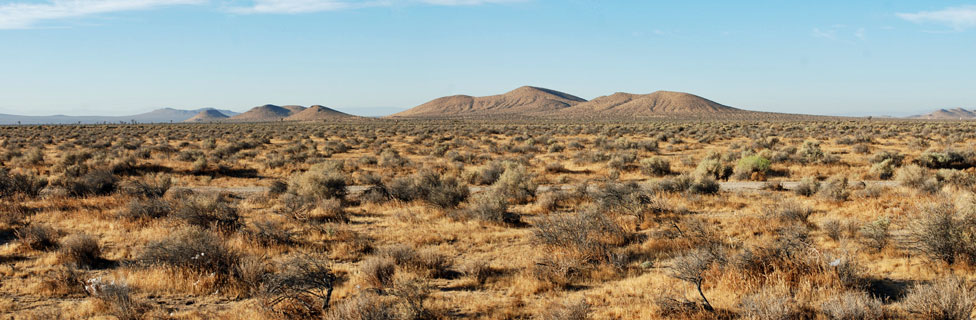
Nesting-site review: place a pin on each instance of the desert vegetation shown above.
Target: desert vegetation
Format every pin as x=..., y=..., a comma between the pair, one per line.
x=444, y=219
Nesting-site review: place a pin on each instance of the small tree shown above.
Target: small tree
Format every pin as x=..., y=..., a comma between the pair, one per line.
x=692, y=267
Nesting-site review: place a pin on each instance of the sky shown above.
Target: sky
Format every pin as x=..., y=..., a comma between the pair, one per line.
x=370, y=57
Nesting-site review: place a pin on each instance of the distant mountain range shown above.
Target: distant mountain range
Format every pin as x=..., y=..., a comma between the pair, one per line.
x=165, y=115
x=522, y=102
x=950, y=114
x=534, y=101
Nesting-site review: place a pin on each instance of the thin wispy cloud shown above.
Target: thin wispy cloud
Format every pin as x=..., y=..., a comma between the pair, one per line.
x=958, y=18
x=840, y=32
x=27, y=15
x=307, y=6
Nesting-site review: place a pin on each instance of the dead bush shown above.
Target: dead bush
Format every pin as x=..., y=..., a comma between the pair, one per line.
x=378, y=271
x=29, y=185
x=589, y=235
x=95, y=182
x=81, y=250
x=852, y=306
x=692, y=267
x=149, y=187
x=151, y=208
x=210, y=212
x=301, y=288
x=37, y=237
x=940, y=232
x=270, y=233
x=194, y=250
x=948, y=298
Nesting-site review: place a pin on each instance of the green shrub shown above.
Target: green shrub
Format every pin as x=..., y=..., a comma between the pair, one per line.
x=750, y=165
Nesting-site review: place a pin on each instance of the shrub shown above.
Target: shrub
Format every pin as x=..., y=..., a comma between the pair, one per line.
x=378, y=271
x=63, y=280
x=894, y=158
x=29, y=185
x=298, y=282
x=655, y=166
x=391, y=159
x=788, y=211
x=852, y=306
x=769, y=305
x=37, y=237
x=750, y=166
x=444, y=192
x=491, y=207
x=269, y=233
x=96, y=182
x=151, y=187
x=956, y=178
x=916, y=177
x=943, y=234
x=948, y=298
x=194, y=250
x=365, y=305
x=81, y=249
x=589, y=235
x=515, y=183
x=713, y=168
x=322, y=181
x=703, y=185
x=884, y=169
x=943, y=160
x=695, y=184
x=691, y=267
x=834, y=189
x=488, y=174
x=116, y=297
x=212, y=212
x=146, y=209
x=876, y=233
x=567, y=310
x=808, y=186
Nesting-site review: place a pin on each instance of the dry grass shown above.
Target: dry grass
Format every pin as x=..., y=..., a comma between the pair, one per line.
x=444, y=219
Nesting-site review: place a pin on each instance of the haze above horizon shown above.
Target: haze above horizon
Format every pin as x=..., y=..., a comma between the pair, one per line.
x=121, y=57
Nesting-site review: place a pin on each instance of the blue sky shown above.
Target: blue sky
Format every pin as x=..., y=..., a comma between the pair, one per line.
x=825, y=57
